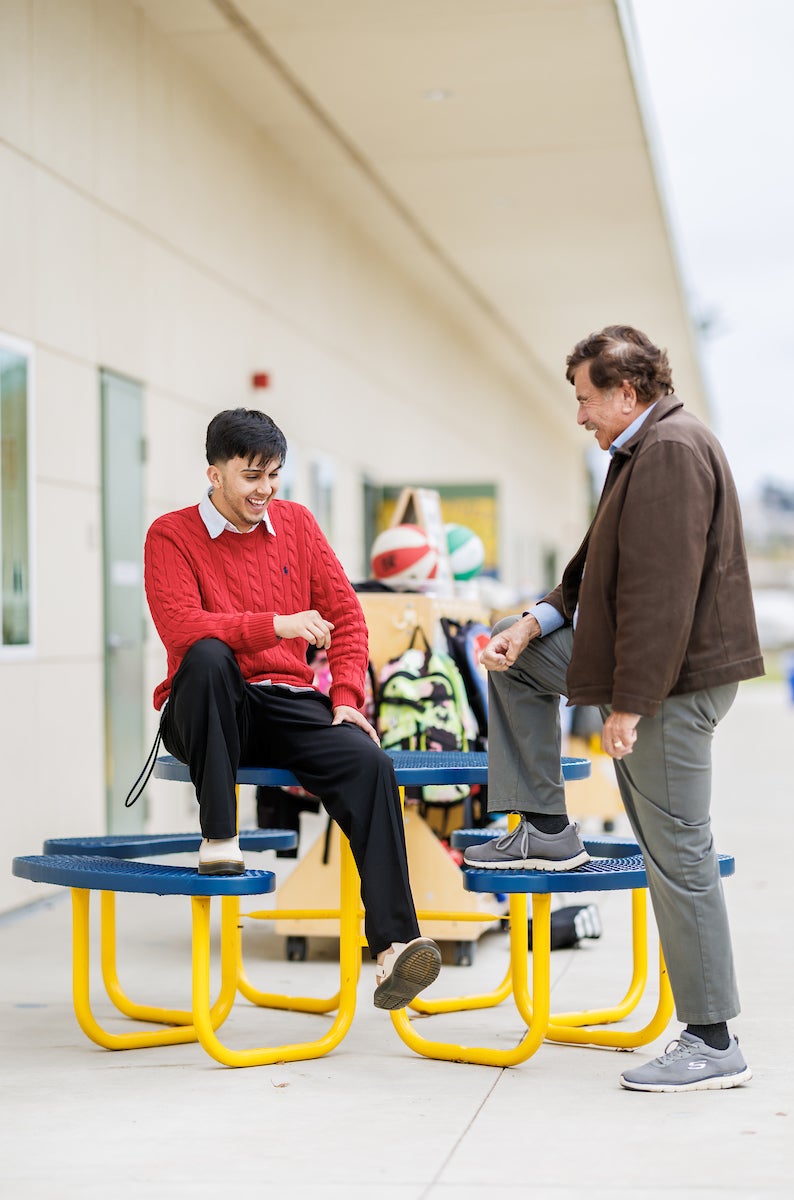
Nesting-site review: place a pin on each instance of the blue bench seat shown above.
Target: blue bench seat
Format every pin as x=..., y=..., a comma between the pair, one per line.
x=105, y=874
x=145, y=845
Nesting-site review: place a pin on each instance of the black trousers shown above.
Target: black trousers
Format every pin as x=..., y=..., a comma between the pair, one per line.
x=216, y=722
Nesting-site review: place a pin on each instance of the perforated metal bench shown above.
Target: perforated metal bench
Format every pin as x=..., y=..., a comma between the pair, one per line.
x=412, y=769
x=151, y=845
x=104, y=865
x=616, y=865
x=135, y=846
x=85, y=874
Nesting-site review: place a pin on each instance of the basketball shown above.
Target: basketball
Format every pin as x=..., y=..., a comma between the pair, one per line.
x=403, y=557
x=466, y=551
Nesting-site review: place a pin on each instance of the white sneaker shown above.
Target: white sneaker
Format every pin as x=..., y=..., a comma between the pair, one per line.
x=220, y=857
x=407, y=969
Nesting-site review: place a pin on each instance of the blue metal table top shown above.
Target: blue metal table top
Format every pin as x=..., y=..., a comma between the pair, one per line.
x=413, y=768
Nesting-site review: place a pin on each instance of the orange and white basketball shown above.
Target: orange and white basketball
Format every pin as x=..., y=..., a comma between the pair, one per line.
x=403, y=557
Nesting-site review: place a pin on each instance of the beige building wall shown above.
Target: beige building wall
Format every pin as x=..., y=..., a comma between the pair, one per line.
x=147, y=227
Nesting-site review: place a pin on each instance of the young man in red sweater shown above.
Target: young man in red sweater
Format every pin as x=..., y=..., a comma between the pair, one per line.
x=238, y=587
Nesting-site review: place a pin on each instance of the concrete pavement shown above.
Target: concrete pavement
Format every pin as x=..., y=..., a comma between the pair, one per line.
x=82, y=1123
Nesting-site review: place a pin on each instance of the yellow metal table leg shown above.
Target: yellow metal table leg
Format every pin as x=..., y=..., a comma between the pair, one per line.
x=176, y=1032
x=349, y=961
x=620, y=1038
x=447, y=1004
x=571, y=1027
x=639, y=979
x=149, y=1012
x=306, y=1004
x=519, y=955
x=277, y=1000
x=534, y=1008
x=81, y=992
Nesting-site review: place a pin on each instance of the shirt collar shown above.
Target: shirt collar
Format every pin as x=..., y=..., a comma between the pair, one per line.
x=216, y=523
x=629, y=432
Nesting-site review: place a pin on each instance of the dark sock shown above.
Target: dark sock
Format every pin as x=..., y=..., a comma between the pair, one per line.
x=715, y=1036
x=547, y=822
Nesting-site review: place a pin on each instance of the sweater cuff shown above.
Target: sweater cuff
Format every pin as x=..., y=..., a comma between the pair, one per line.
x=261, y=632
x=342, y=694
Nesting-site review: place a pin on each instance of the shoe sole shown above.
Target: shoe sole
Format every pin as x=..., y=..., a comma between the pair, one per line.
x=717, y=1083
x=532, y=864
x=415, y=969
x=221, y=868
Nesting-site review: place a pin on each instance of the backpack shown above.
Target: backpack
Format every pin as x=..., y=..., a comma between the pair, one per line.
x=422, y=705
x=322, y=680
x=466, y=641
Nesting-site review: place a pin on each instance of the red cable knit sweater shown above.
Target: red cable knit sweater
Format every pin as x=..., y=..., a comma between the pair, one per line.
x=231, y=587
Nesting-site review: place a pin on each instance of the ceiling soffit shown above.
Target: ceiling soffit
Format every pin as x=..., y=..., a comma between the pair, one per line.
x=494, y=149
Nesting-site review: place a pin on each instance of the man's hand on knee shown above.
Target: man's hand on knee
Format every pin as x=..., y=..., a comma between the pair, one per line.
x=505, y=647
x=345, y=715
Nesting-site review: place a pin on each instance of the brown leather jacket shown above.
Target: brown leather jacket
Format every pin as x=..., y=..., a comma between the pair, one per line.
x=665, y=605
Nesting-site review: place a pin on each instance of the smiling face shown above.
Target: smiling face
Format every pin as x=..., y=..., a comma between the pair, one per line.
x=242, y=490
x=607, y=412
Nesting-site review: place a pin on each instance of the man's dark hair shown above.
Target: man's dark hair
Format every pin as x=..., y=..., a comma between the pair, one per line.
x=244, y=433
x=620, y=352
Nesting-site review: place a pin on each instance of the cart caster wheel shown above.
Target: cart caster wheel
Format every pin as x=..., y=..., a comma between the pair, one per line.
x=296, y=949
x=464, y=954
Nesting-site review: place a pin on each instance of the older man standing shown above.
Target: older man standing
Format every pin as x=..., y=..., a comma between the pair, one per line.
x=653, y=622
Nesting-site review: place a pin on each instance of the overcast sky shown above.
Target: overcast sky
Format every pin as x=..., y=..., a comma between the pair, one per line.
x=721, y=84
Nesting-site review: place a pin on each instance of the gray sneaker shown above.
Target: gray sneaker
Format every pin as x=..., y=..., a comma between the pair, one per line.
x=689, y=1065
x=529, y=850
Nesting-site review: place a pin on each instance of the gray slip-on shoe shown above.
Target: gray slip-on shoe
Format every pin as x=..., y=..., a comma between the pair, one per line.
x=525, y=848
x=689, y=1065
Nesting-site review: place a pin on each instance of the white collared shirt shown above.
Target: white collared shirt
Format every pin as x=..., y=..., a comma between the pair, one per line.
x=217, y=524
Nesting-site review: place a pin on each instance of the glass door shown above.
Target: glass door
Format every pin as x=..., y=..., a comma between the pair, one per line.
x=124, y=624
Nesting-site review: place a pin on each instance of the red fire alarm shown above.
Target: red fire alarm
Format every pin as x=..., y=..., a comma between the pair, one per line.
x=260, y=379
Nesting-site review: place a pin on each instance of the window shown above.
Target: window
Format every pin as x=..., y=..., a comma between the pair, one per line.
x=474, y=505
x=321, y=494
x=15, y=486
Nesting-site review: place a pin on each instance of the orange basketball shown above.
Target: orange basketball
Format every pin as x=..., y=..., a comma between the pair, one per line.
x=403, y=556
